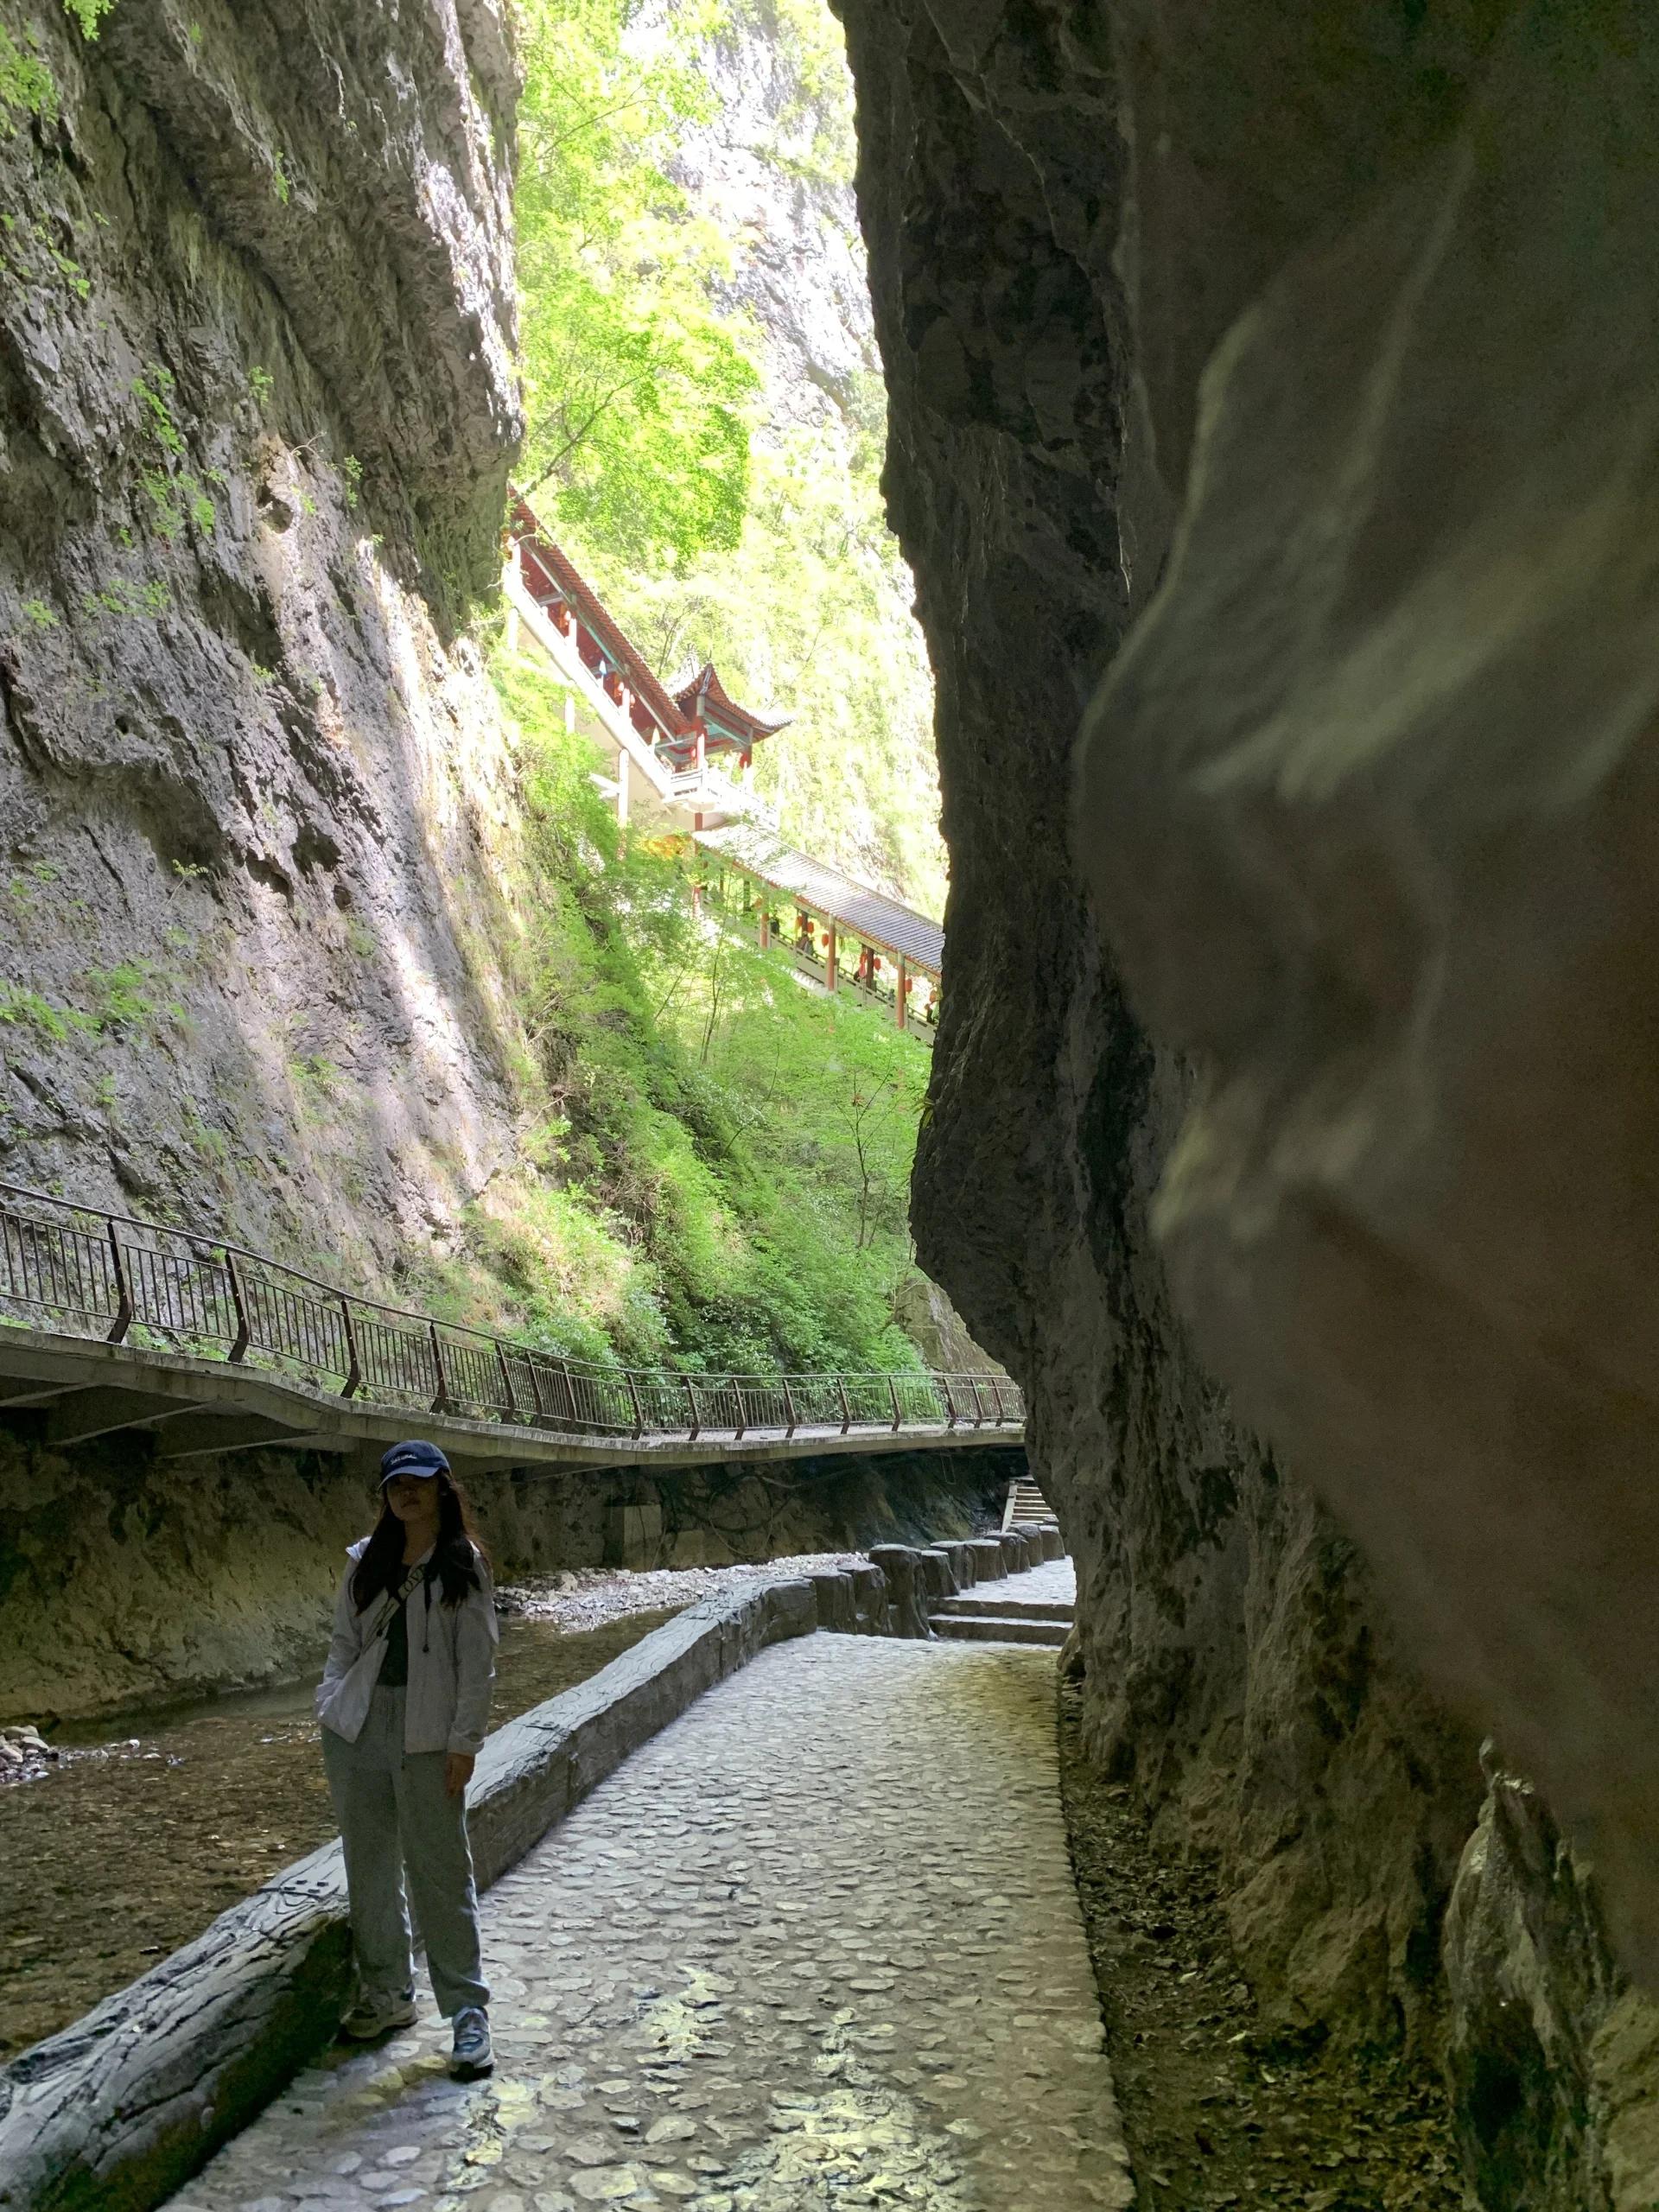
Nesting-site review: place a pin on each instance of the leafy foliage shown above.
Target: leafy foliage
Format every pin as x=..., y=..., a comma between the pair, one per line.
x=88, y=14
x=719, y=1168
x=639, y=391
x=809, y=616
x=806, y=611
x=27, y=86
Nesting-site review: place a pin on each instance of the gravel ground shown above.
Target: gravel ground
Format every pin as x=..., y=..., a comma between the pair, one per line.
x=1218, y=2112
x=589, y=1595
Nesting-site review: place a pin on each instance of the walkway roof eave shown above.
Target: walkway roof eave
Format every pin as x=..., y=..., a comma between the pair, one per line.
x=591, y=611
x=893, y=929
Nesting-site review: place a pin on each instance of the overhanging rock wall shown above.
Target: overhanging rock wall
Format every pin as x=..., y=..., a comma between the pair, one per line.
x=1363, y=1043
x=1237, y=1664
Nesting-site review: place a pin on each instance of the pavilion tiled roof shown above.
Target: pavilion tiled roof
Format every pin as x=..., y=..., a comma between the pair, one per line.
x=861, y=912
x=706, y=690
x=625, y=655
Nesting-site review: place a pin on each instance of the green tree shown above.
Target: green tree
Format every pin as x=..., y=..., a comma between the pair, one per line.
x=639, y=392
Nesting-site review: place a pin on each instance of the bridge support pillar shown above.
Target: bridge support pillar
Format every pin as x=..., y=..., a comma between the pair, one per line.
x=830, y=942
x=900, y=1011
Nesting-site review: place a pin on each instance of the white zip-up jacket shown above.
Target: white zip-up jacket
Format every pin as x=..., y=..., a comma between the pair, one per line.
x=451, y=1657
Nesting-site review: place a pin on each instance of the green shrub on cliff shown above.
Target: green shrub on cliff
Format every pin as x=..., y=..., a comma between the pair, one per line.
x=27, y=86
x=718, y=1166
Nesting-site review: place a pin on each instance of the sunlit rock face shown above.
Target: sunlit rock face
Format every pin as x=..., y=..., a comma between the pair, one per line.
x=258, y=409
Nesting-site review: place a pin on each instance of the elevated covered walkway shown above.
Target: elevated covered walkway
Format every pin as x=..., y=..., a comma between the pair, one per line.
x=681, y=762
x=840, y=932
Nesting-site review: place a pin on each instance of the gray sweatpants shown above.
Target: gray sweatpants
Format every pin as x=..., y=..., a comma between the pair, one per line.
x=393, y=1813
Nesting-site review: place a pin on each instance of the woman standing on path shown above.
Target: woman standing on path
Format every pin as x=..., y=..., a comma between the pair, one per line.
x=405, y=1702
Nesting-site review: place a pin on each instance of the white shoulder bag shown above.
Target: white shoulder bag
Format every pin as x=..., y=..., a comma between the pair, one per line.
x=343, y=1704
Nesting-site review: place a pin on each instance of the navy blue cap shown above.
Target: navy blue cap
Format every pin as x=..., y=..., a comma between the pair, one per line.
x=413, y=1458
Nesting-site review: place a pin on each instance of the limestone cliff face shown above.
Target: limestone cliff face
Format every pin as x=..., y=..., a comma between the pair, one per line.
x=1045, y=305
x=758, y=168
x=258, y=409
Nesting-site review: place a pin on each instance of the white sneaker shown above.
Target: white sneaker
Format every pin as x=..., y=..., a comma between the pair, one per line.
x=472, y=2055
x=377, y=2016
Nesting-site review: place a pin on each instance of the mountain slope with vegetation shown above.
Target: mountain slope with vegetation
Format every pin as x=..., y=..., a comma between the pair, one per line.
x=706, y=408
x=714, y=1161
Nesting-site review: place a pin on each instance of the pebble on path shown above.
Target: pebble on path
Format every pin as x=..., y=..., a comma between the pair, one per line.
x=816, y=1945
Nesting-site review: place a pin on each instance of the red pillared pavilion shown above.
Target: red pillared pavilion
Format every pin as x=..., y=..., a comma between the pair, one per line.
x=688, y=728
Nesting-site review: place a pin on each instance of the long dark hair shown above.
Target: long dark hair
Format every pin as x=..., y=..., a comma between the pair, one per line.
x=457, y=1556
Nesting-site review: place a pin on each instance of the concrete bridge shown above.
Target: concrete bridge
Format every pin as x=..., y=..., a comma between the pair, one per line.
x=110, y=1324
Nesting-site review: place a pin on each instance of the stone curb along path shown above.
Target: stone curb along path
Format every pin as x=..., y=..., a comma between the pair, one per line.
x=815, y=1949
x=121, y=2108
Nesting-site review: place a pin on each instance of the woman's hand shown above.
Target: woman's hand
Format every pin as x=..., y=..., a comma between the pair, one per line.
x=457, y=1772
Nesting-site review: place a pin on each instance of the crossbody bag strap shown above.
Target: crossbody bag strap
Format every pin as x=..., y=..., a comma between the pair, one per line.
x=406, y=1590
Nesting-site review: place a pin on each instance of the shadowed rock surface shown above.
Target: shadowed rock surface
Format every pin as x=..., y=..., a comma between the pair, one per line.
x=1236, y=1663
x=1363, y=810
x=123, y=1581
x=1368, y=799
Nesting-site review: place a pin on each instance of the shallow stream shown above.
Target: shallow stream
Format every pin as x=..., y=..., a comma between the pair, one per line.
x=152, y=1823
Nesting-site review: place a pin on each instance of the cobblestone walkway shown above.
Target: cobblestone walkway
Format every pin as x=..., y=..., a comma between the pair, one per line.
x=815, y=1946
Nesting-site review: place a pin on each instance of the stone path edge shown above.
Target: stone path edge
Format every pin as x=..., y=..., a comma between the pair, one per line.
x=118, y=2111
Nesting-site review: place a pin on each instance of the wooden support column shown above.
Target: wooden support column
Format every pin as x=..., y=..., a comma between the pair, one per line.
x=763, y=933
x=899, y=1009
x=829, y=943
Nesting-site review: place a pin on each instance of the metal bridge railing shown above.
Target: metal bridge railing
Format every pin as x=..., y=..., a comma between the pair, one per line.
x=105, y=1276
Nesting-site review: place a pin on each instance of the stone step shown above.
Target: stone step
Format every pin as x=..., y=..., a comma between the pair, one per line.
x=997, y=1628
x=976, y=1604
x=1025, y=1502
